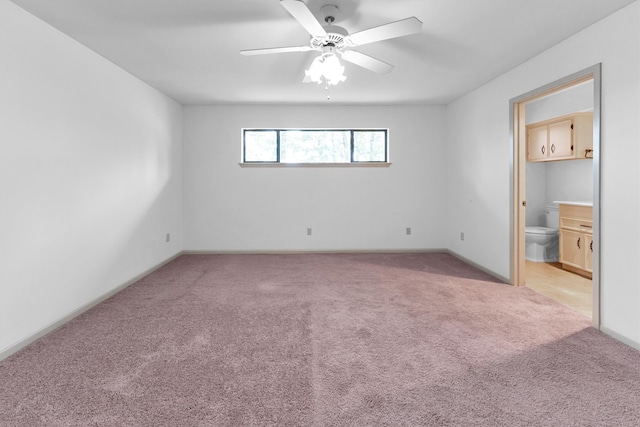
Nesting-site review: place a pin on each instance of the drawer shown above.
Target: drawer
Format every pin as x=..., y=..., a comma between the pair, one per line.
x=576, y=212
x=577, y=224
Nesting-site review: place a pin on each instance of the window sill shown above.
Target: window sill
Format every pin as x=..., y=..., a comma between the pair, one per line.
x=315, y=165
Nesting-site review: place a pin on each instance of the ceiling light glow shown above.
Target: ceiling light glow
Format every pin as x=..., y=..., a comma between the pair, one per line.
x=325, y=68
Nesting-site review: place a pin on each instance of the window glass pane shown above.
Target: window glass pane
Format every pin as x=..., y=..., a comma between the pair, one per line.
x=369, y=146
x=311, y=146
x=260, y=146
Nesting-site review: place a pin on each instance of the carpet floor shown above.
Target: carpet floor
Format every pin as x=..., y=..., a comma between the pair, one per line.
x=323, y=340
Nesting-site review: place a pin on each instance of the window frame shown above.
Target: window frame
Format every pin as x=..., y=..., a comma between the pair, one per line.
x=352, y=162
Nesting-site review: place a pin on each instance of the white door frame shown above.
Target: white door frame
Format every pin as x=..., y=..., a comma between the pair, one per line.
x=517, y=176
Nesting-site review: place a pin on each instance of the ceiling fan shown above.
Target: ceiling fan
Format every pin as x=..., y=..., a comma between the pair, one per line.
x=333, y=40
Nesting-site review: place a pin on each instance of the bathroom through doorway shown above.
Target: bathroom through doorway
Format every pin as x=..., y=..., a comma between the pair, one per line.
x=556, y=191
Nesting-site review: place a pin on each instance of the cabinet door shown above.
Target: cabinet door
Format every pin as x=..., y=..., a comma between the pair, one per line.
x=588, y=253
x=560, y=139
x=537, y=143
x=572, y=248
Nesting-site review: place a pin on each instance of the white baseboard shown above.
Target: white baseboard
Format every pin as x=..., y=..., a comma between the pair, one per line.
x=346, y=251
x=312, y=251
x=14, y=348
x=478, y=266
x=621, y=338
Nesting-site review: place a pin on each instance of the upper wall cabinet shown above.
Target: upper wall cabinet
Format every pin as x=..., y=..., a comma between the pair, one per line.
x=563, y=138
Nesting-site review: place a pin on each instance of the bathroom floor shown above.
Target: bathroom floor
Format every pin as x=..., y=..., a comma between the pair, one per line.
x=550, y=280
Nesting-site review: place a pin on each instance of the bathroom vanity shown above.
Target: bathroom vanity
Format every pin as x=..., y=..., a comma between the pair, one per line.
x=576, y=237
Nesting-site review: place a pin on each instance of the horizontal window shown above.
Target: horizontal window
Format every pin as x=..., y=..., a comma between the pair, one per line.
x=315, y=146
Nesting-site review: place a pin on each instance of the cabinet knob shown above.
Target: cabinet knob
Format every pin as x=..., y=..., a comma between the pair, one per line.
x=553, y=148
x=543, y=149
x=591, y=246
x=579, y=242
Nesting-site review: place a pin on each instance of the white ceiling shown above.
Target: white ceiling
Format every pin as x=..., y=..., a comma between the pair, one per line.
x=189, y=49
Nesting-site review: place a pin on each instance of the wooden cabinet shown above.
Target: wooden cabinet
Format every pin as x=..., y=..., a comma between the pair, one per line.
x=576, y=238
x=563, y=138
x=589, y=249
x=537, y=142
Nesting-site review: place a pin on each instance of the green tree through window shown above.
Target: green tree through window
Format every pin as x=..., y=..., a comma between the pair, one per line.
x=302, y=146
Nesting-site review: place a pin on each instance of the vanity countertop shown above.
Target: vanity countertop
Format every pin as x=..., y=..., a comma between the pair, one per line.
x=564, y=202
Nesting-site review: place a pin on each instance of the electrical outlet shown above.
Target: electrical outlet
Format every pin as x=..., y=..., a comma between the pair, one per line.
x=168, y=238
x=408, y=231
x=309, y=232
x=461, y=236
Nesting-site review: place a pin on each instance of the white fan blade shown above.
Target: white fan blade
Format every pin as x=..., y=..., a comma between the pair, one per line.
x=270, y=50
x=366, y=61
x=401, y=28
x=303, y=15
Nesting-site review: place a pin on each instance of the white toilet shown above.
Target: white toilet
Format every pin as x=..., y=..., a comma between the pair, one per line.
x=541, y=242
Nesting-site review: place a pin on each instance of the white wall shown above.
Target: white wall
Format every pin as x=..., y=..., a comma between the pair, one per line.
x=578, y=98
x=546, y=182
x=570, y=180
x=536, y=191
x=233, y=208
x=478, y=161
x=90, y=176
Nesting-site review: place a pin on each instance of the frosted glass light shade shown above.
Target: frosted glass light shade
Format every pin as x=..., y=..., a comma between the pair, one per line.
x=325, y=66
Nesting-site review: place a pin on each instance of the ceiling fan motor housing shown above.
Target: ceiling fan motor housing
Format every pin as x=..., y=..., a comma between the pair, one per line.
x=335, y=35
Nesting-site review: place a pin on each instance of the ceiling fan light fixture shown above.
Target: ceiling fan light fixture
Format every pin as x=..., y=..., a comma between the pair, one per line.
x=314, y=73
x=325, y=68
x=332, y=70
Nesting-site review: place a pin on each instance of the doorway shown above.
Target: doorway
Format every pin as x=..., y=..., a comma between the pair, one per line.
x=518, y=176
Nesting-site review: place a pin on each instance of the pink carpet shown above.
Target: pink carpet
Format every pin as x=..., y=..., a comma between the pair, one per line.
x=323, y=340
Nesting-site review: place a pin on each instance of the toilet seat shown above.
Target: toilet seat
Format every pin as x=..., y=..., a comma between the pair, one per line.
x=540, y=230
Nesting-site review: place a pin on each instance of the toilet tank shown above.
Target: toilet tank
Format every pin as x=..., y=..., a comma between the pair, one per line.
x=551, y=214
